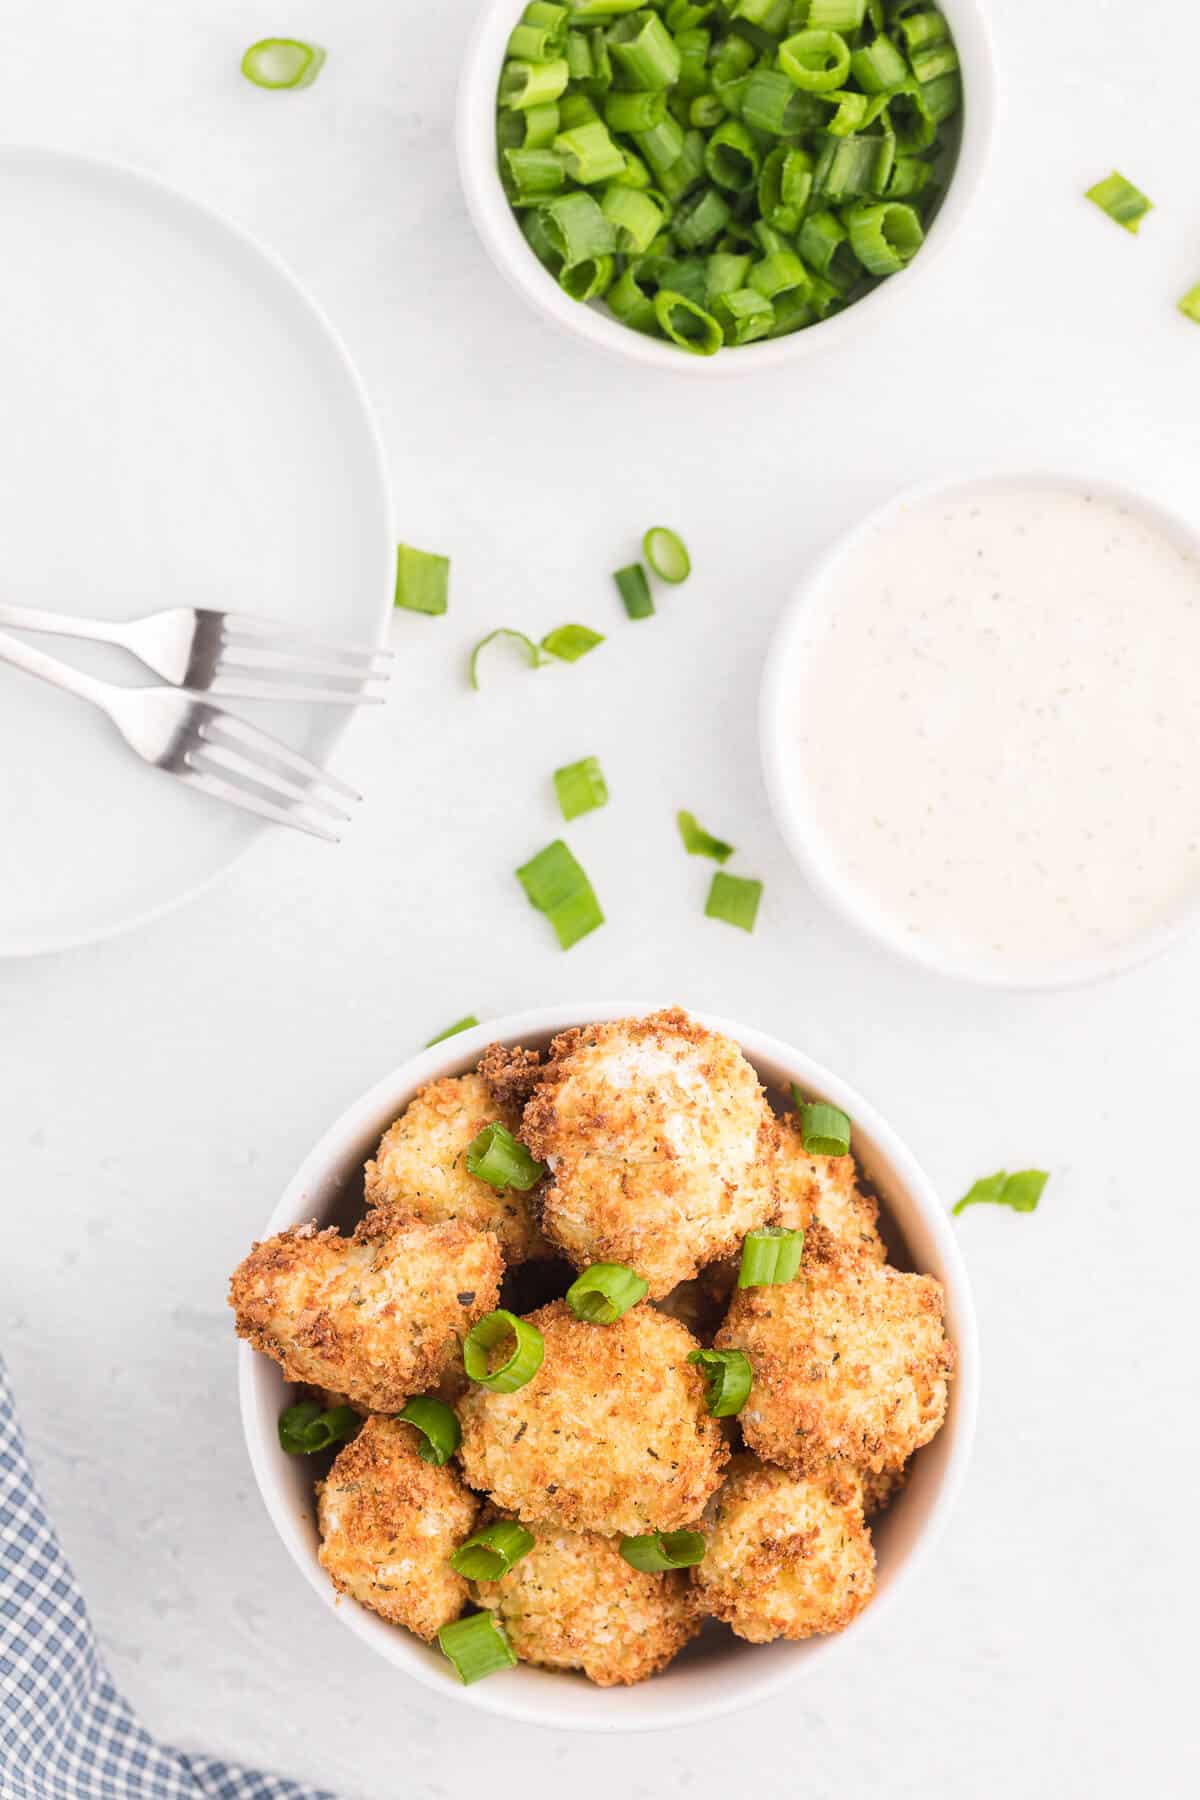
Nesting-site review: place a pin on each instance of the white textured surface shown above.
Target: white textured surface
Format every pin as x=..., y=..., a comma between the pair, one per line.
x=158, y=1091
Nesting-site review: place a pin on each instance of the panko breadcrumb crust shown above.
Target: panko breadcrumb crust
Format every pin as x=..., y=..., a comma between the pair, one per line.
x=660, y=1143
x=510, y=1074
x=574, y=1603
x=378, y=1316
x=788, y=1556
x=389, y=1525
x=824, y=1188
x=421, y=1165
x=611, y=1435
x=851, y=1362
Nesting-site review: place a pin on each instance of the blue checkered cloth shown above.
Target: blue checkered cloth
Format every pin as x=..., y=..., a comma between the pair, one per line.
x=65, y=1733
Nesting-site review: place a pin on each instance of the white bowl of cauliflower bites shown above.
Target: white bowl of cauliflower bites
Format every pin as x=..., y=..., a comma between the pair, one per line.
x=686, y=1390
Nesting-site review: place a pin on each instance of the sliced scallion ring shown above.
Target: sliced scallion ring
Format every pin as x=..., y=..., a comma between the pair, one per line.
x=659, y=1550
x=477, y=1646
x=728, y=1379
x=667, y=554
x=422, y=581
x=634, y=590
x=698, y=842
x=605, y=1292
x=570, y=642
x=307, y=1427
x=580, y=787
x=438, y=1426
x=557, y=886
x=734, y=899
x=498, y=1158
x=1124, y=204
x=486, y=1335
x=770, y=1257
x=824, y=1129
x=526, y=644
x=1021, y=1191
x=490, y=1553
x=282, y=63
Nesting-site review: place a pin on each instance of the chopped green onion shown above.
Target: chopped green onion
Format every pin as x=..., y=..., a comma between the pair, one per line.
x=878, y=66
x=555, y=885
x=634, y=590
x=589, y=279
x=532, y=653
x=1189, y=306
x=477, y=1646
x=490, y=1553
x=824, y=1129
x=919, y=29
x=438, y=1426
x=530, y=175
x=1124, y=204
x=660, y=1550
x=532, y=84
x=732, y=158
x=578, y=229
x=815, y=61
x=687, y=324
x=698, y=842
x=283, y=63
x=634, y=112
x=523, y=1361
x=884, y=237
x=1021, y=1191
x=467, y=1023
x=728, y=1377
x=837, y=15
x=644, y=52
x=605, y=1292
x=637, y=216
x=701, y=219
x=500, y=1159
x=570, y=642
x=580, y=787
x=770, y=1257
x=589, y=154
x=667, y=555
x=306, y=1427
x=422, y=580
x=936, y=60
x=734, y=899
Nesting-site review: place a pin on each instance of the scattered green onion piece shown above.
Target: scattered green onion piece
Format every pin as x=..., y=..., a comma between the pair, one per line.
x=440, y=1433
x=687, y=324
x=734, y=899
x=522, y=1363
x=536, y=236
x=283, y=63
x=532, y=84
x=825, y=248
x=605, y=1292
x=477, y=1646
x=724, y=273
x=531, y=175
x=556, y=885
x=878, y=66
x=728, y=1379
x=770, y=1257
x=589, y=279
x=1021, y=1192
x=795, y=310
x=1124, y=204
x=490, y=1553
x=908, y=176
x=942, y=98
x=824, y=1129
x=535, y=43
x=705, y=111
x=630, y=302
x=307, y=1427
x=777, y=273
x=589, y=154
x=662, y=1550
x=569, y=642
x=541, y=125
x=467, y=1023
x=884, y=237
x=645, y=52
x=503, y=631
x=774, y=104
x=500, y=1159
x=815, y=61
x=912, y=117
x=662, y=145
x=422, y=581
x=578, y=229
x=579, y=56
x=580, y=787
x=688, y=171
x=731, y=157
x=701, y=219
x=634, y=112
x=637, y=217
x=853, y=112
x=1189, y=306
x=634, y=590
x=575, y=110
x=693, y=48
x=667, y=555
x=849, y=168
x=698, y=842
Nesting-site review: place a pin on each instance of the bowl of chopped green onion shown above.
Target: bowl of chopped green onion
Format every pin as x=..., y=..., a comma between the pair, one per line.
x=678, y=179
x=292, y=1437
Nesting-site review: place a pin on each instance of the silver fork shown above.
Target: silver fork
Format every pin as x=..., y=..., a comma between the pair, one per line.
x=233, y=655
x=204, y=746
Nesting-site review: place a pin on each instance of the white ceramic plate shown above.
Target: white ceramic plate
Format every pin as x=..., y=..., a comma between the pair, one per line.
x=179, y=426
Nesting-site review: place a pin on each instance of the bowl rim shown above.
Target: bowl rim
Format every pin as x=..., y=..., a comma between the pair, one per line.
x=796, y=829
x=453, y=1055
x=496, y=223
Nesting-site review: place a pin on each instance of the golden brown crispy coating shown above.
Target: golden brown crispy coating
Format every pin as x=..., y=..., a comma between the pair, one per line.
x=376, y=1317
x=611, y=1435
x=787, y=1556
x=880, y=1487
x=389, y=1524
x=574, y=1603
x=825, y=1188
x=850, y=1361
x=421, y=1165
x=660, y=1143
x=510, y=1075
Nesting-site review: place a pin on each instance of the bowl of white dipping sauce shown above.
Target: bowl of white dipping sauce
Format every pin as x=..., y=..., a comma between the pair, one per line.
x=981, y=728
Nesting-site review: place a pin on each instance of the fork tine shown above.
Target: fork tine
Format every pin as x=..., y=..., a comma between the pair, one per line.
x=271, y=784
x=238, y=734
x=249, y=659
x=233, y=795
x=232, y=687
x=245, y=625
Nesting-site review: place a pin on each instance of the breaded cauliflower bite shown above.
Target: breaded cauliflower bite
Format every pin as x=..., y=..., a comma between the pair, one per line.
x=389, y=1525
x=611, y=1435
x=824, y=1188
x=660, y=1143
x=574, y=1603
x=880, y=1487
x=421, y=1165
x=787, y=1556
x=850, y=1361
x=378, y=1316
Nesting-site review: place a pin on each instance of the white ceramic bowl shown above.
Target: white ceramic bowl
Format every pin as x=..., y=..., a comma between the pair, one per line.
x=718, y=1673
x=776, y=723
x=497, y=225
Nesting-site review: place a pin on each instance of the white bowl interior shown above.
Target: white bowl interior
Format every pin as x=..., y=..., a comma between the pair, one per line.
x=718, y=1673
x=792, y=815
x=497, y=225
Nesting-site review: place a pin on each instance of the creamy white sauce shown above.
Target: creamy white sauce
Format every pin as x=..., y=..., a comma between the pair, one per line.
x=996, y=723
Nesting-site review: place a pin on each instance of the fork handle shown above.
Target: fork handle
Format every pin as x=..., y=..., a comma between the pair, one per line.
x=58, y=674
x=32, y=618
